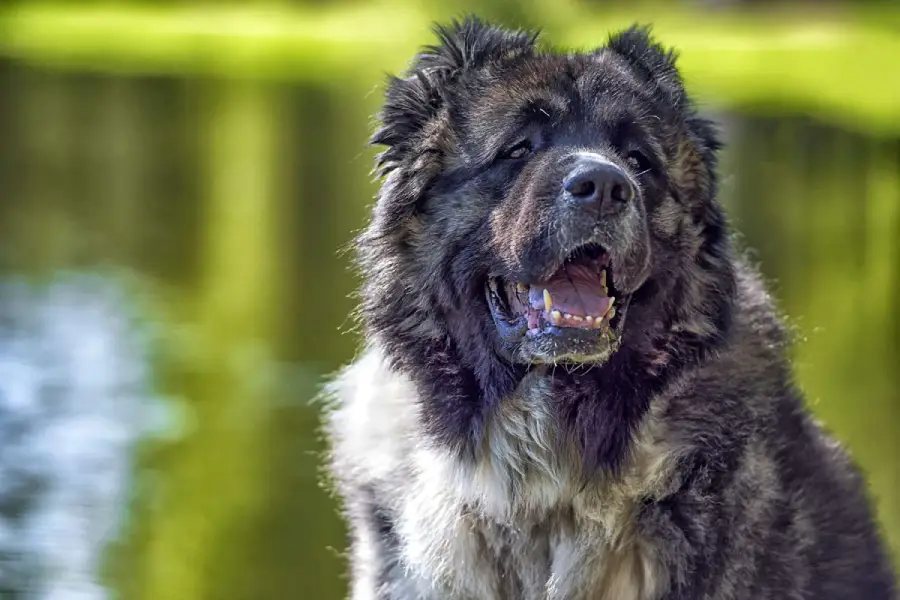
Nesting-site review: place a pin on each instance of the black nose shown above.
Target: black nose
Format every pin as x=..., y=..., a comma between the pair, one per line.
x=600, y=185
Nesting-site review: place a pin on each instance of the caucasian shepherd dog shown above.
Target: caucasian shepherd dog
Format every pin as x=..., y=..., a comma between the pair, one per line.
x=572, y=387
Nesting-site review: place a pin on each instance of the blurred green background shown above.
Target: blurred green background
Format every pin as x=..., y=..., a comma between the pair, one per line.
x=176, y=181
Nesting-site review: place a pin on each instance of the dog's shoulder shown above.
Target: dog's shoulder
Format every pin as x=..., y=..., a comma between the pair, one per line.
x=759, y=466
x=370, y=420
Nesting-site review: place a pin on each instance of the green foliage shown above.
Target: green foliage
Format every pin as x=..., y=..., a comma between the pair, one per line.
x=808, y=62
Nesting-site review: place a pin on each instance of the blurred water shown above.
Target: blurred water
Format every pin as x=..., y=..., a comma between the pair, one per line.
x=75, y=398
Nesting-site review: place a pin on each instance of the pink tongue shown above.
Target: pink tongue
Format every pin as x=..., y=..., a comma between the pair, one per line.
x=575, y=290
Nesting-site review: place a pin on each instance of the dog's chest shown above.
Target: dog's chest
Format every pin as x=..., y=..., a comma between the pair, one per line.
x=518, y=524
x=559, y=559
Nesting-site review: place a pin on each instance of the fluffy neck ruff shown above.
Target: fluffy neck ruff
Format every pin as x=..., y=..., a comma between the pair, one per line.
x=597, y=410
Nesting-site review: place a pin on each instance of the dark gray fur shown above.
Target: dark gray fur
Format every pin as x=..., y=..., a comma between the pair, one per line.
x=683, y=466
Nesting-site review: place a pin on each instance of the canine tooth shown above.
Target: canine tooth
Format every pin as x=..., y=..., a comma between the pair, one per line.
x=603, y=278
x=610, y=313
x=555, y=317
x=611, y=300
x=548, y=301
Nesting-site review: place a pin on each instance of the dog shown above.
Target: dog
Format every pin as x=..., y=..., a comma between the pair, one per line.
x=573, y=386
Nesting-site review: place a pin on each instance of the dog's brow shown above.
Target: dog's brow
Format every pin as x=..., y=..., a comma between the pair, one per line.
x=532, y=112
x=538, y=109
x=517, y=120
x=626, y=128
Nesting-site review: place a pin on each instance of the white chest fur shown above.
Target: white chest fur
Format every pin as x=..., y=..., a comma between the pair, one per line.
x=517, y=522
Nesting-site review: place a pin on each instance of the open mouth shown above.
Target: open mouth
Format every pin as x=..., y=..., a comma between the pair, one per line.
x=580, y=295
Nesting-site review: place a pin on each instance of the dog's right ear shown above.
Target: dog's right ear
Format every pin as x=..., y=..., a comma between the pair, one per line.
x=411, y=102
x=471, y=44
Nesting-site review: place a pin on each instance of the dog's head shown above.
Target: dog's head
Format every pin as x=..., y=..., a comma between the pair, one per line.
x=541, y=208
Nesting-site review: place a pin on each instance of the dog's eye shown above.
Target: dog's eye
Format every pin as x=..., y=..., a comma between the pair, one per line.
x=638, y=161
x=520, y=150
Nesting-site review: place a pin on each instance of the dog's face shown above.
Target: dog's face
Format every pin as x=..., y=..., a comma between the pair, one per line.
x=570, y=158
x=538, y=209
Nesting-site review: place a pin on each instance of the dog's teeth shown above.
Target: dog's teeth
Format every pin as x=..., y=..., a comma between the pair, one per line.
x=548, y=301
x=598, y=322
x=568, y=317
x=611, y=311
x=575, y=318
x=555, y=317
x=589, y=320
x=521, y=288
x=603, y=281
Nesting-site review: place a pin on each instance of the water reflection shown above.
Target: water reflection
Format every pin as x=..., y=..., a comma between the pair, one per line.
x=76, y=397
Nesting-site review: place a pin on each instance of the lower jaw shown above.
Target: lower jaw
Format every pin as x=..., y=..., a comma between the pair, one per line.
x=560, y=345
x=572, y=349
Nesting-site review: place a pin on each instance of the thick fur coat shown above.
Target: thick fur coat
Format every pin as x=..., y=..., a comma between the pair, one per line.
x=487, y=446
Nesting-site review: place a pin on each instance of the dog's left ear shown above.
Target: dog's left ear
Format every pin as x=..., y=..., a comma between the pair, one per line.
x=649, y=59
x=696, y=155
x=657, y=64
